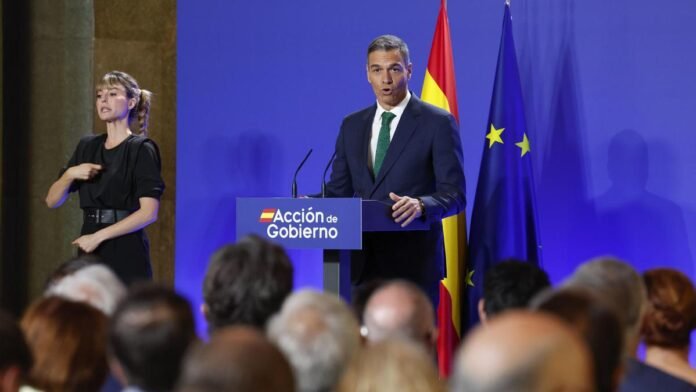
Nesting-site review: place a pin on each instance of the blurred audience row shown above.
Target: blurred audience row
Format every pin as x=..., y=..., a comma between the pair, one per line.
x=91, y=333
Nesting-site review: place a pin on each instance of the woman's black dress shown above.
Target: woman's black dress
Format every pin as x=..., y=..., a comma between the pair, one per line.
x=130, y=171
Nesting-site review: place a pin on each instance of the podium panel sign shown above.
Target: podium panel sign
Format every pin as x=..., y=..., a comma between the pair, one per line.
x=334, y=223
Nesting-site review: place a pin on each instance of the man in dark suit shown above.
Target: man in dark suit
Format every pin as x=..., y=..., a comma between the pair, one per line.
x=404, y=151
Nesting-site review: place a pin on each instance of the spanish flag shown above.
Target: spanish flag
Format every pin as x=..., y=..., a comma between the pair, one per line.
x=439, y=89
x=267, y=215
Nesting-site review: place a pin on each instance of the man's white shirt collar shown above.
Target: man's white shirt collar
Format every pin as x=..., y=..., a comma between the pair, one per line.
x=398, y=110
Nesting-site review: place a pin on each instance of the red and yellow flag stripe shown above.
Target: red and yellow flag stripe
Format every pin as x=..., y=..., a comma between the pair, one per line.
x=439, y=89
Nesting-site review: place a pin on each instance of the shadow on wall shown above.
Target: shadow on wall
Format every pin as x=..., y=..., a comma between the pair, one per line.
x=639, y=226
x=565, y=212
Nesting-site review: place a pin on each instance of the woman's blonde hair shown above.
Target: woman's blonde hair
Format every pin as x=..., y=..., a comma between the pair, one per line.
x=142, y=97
x=391, y=365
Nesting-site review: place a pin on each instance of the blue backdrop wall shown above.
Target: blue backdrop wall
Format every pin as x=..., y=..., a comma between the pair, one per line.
x=608, y=90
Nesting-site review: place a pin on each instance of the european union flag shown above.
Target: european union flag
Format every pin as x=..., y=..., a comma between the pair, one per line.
x=503, y=223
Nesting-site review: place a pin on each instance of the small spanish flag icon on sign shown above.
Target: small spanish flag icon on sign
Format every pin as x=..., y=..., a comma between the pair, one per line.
x=267, y=215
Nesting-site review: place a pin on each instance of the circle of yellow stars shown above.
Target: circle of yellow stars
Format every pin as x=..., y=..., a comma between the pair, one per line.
x=494, y=136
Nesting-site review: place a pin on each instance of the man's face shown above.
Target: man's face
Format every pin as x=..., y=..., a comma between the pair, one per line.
x=388, y=75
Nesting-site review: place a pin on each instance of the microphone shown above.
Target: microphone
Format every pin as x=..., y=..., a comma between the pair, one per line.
x=323, y=177
x=294, y=178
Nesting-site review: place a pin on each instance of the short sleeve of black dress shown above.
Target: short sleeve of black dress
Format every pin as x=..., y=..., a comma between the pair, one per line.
x=147, y=171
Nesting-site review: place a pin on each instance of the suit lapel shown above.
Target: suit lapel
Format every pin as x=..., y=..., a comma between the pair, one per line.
x=404, y=131
x=367, y=135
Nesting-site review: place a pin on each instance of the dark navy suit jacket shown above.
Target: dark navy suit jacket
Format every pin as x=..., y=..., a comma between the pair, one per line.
x=641, y=377
x=424, y=160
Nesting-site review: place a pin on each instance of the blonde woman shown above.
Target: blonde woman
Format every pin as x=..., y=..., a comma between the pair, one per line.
x=117, y=175
x=391, y=366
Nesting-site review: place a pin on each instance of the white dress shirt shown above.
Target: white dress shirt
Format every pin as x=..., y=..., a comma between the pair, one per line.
x=398, y=110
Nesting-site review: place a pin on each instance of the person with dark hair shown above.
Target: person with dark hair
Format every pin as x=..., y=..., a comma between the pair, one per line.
x=15, y=357
x=246, y=283
x=596, y=323
x=669, y=320
x=510, y=285
x=149, y=334
x=407, y=153
x=238, y=359
x=68, y=343
x=118, y=178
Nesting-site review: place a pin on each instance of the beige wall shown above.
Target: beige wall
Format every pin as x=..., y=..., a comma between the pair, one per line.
x=2, y=127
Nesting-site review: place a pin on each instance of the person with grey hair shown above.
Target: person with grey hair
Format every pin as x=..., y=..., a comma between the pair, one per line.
x=620, y=287
x=406, y=153
x=523, y=351
x=318, y=334
x=94, y=284
x=400, y=310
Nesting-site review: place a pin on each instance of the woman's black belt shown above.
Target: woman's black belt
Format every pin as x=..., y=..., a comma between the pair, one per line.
x=101, y=215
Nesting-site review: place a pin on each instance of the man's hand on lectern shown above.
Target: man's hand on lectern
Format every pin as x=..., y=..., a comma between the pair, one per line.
x=405, y=209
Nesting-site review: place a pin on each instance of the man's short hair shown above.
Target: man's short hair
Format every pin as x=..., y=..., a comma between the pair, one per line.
x=150, y=332
x=239, y=359
x=620, y=287
x=318, y=334
x=411, y=314
x=246, y=283
x=595, y=322
x=69, y=267
x=94, y=284
x=14, y=350
x=388, y=43
x=511, y=284
x=522, y=351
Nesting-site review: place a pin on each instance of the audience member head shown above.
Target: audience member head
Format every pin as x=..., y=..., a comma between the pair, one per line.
x=400, y=310
x=510, y=285
x=15, y=356
x=671, y=312
x=246, y=283
x=68, y=342
x=391, y=365
x=69, y=267
x=360, y=295
x=236, y=359
x=524, y=352
x=596, y=323
x=620, y=288
x=318, y=334
x=93, y=284
x=149, y=334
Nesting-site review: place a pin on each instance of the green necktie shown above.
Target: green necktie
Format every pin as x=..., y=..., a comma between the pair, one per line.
x=382, y=141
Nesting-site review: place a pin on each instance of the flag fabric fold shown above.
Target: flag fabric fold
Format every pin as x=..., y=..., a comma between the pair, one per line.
x=439, y=89
x=503, y=221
